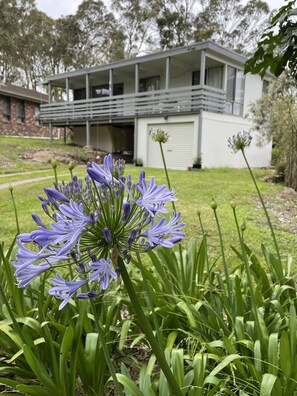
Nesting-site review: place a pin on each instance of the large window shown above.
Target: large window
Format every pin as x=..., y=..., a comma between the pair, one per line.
x=149, y=84
x=235, y=91
x=21, y=111
x=99, y=91
x=6, y=108
x=37, y=115
x=213, y=77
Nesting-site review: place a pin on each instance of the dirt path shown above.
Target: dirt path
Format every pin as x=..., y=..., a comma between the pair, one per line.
x=26, y=181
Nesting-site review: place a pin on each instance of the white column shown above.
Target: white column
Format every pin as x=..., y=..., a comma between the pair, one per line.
x=202, y=68
x=87, y=86
x=137, y=78
x=167, y=77
x=49, y=92
x=110, y=82
x=88, y=133
x=67, y=89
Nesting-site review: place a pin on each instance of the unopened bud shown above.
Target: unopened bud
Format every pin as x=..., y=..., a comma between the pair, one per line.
x=243, y=227
x=213, y=204
x=54, y=163
x=233, y=204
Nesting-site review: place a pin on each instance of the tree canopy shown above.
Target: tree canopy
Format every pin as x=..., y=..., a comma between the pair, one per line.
x=34, y=45
x=277, y=48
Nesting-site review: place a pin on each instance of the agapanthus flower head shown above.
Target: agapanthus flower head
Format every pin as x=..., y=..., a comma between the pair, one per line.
x=159, y=135
x=92, y=223
x=240, y=141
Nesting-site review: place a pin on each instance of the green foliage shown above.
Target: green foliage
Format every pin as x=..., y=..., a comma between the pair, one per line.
x=275, y=118
x=277, y=47
x=225, y=326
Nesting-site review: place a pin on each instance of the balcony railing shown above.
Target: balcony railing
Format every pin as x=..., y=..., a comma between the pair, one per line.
x=171, y=101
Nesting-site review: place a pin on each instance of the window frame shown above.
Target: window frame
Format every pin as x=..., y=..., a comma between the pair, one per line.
x=21, y=111
x=6, y=108
x=233, y=105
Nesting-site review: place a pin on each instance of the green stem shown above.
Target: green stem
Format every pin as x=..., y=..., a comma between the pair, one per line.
x=105, y=350
x=248, y=272
x=151, y=305
x=166, y=173
x=145, y=326
x=223, y=254
x=264, y=207
x=174, y=209
x=15, y=210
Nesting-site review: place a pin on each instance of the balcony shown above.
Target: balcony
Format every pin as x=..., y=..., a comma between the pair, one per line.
x=116, y=108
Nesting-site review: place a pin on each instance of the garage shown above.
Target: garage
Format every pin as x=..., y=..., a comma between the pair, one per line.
x=178, y=150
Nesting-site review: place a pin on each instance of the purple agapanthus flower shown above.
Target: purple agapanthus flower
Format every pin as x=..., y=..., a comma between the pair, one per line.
x=64, y=289
x=164, y=234
x=70, y=225
x=92, y=223
x=103, y=174
x=26, y=274
x=153, y=197
x=102, y=273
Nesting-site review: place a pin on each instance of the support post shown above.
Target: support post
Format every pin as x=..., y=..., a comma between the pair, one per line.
x=167, y=77
x=88, y=133
x=50, y=131
x=137, y=78
x=202, y=68
x=67, y=89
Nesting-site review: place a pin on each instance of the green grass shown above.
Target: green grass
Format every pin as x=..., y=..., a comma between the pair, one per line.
x=11, y=148
x=194, y=190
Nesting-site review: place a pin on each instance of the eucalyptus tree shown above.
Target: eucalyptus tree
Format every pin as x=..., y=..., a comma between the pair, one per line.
x=137, y=21
x=234, y=24
x=99, y=38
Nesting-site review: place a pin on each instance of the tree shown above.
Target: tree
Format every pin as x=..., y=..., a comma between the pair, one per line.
x=277, y=48
x=136, y=20
x=174, y=21
x=99, y=36
x=275, y=118
x=232, y=24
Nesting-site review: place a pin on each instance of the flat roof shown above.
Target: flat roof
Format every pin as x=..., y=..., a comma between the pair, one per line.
x=207, y=45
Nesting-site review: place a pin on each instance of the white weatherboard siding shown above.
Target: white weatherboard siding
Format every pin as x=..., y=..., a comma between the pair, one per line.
x=217, y=129
x=179, y=150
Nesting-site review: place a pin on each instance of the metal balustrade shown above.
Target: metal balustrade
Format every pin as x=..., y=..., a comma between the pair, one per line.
x=162, y=102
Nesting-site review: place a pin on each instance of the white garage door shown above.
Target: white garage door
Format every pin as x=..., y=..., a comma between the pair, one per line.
x=178, y=150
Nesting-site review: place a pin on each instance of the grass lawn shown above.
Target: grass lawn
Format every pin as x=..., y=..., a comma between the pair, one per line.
x=11, y=148
x=195, y=191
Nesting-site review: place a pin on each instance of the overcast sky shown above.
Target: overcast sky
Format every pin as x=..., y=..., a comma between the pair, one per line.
x=56, y=8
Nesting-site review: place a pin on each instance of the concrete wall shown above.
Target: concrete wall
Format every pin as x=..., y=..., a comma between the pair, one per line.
x=217, y=129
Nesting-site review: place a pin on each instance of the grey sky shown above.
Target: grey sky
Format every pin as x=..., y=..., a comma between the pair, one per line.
x=56, y=8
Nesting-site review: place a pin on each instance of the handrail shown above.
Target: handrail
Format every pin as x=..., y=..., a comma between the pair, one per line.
x=170, y=101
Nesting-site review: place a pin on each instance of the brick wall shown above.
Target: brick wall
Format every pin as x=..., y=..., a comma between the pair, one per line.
x=28, y=128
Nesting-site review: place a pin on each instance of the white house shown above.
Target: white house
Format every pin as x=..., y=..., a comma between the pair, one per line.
x=198, y=94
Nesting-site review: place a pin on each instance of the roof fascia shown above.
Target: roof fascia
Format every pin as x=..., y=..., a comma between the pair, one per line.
x=208, y=45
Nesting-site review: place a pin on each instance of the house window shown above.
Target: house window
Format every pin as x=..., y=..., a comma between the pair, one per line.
x=79, y=94
x=235, y=91
x=103, y=90
x=6, y=108
x=21, y=111
x=37, y=115
x=213, y=77
x=149, y=84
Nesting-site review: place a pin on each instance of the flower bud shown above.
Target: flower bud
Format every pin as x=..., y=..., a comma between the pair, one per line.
x=213, y=204
x=233, y=204
x=54, y=163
